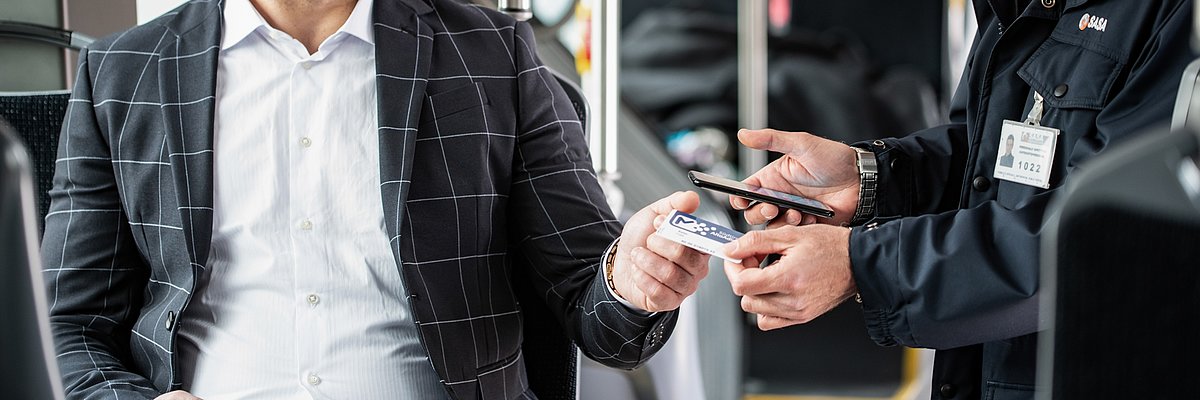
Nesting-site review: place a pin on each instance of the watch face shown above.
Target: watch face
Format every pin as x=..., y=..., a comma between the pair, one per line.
x=865, y=160
x=551, y=12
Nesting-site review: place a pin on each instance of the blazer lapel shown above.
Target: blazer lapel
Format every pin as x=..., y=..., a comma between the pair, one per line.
x=187, y=71
x=403, y=45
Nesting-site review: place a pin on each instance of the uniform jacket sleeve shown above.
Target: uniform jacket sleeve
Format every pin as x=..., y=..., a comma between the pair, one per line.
x=933, y=275
x=554, y=183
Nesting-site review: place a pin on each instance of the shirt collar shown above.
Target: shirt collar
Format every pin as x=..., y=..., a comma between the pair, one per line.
x=359, y=23
x=242, y=19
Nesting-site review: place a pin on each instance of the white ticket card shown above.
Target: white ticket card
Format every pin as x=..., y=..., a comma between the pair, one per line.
x=697, y=233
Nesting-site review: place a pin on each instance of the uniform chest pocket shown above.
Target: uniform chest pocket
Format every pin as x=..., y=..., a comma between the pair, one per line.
x=1076, y=83
x=1070, y=76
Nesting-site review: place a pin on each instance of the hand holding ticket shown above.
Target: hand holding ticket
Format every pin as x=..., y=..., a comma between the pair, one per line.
x=697, y=233
x=649, y=271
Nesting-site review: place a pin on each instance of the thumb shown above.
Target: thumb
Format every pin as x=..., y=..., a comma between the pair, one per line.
x=763, y=242
x=687, y=202
x=773, y=140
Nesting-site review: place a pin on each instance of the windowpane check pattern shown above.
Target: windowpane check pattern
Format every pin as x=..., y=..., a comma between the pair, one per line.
x=485, y=181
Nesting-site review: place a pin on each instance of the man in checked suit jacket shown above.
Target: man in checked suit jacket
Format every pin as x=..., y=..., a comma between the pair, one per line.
x=483, y=179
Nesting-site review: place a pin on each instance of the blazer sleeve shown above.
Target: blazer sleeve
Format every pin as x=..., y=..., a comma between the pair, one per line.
x=564, y=224
x=966, y=276
x=92, y=269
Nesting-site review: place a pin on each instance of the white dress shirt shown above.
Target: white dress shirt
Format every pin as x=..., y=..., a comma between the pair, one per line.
x=301, y=297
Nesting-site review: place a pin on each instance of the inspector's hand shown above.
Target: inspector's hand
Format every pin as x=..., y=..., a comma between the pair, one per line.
x=651, y=272
x=177, y=395
x=812, y=276
x=811, y=166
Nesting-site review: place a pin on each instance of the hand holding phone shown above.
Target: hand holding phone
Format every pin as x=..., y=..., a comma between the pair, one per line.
x=758, y=193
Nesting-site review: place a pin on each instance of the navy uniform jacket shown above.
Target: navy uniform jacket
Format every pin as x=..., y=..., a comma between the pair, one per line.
x=951, y=260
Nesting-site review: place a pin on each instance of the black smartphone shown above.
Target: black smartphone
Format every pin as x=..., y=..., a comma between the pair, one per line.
x=781, y=199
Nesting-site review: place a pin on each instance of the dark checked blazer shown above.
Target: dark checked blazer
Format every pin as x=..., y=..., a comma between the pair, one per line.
x=486, y=180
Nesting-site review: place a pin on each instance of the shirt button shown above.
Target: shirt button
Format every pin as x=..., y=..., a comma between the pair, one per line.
x=981, y=184
x=306, y=65
x=314, y=380
x=1048, y=3
x=306, y=142
x=1061, y=90
x=313, y=299
x=306, y=225
x=947, y=391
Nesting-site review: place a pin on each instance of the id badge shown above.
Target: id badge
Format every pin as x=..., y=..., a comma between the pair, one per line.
x=1026, y=154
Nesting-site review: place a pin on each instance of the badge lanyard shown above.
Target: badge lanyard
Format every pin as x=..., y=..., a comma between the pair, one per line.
x=1035, y=113
x=1026, y=151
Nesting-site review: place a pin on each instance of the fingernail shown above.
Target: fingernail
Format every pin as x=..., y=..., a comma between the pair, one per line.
x=794, y=218
x=659, y=220
x=769, y=213
x=730, y=247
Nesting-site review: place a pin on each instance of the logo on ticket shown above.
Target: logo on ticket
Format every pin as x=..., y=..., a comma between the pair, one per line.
x=695, y=232
x=691, y=224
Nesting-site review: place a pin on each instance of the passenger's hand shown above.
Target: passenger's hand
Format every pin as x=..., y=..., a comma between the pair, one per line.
x=812, y=277
x=177, y=395
x=811, y=166
x=651, y=272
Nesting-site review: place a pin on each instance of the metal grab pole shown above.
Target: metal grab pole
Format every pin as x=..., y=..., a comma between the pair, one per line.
x=602, y=88
x=518, y=9
x=752, y=77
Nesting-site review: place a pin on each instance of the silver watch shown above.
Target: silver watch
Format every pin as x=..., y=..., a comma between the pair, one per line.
x=868, y=175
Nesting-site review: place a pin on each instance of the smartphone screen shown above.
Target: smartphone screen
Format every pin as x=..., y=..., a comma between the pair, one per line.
x=753, y=192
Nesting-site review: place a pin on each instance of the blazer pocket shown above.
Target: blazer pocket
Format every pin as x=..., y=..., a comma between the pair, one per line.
x=505, y=379
x=453, y=101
